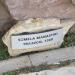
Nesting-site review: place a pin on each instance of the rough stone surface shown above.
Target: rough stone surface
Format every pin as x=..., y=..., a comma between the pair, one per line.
x=5, y=18
x=72, y=30
x=73, y=1
x=23, y=9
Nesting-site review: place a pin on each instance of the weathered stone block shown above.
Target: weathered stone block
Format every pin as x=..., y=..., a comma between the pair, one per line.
x=35, y=25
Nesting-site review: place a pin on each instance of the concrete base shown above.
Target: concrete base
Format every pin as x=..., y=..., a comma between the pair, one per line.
x=47, y=57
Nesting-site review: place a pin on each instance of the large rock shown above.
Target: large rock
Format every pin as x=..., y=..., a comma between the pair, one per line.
x=23, y=9
x=35, y=25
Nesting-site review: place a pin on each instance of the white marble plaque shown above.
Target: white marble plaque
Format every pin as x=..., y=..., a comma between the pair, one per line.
x=34, y=40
